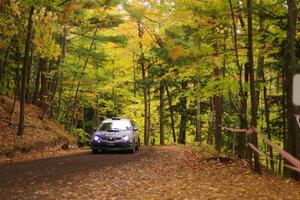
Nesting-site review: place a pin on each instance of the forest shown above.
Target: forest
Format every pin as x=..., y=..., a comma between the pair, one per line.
x=185, y=71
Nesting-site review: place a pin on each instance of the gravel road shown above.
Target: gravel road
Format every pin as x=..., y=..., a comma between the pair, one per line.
x=26, y=180
x=171, y=172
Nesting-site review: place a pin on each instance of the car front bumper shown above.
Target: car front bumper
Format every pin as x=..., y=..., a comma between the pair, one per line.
x=112, y=146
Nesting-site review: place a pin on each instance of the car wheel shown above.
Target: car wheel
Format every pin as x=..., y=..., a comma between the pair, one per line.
x=102, y=151
x=94, y=151
x=133, y=149
x=138, y=145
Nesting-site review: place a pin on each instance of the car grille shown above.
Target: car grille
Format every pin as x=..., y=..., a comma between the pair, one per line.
x=110, y=138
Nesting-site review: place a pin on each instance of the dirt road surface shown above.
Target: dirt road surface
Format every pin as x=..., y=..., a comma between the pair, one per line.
x=171, y=172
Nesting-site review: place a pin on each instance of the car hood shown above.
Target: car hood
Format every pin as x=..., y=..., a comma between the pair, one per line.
x=113, y=134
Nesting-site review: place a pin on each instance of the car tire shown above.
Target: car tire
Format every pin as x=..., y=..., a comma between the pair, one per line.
x=138, y=145
x=94, y=151
x=102, y=151
x=133, y=149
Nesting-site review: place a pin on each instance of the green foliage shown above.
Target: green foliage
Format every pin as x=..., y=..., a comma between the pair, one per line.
x=220, y=87
x=137, y=13
x=98, y=57
x=204, y=149
x=82, y=137
x=178, y=41
x=44, y=39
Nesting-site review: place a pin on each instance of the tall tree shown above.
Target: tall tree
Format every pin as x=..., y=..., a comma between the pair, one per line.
x=183, y=114
x=243, y=94
x=198, y=119
x=142, y=62
x=162, y=112
x=218, y=104
x=254, y=103
x=24, y=74
x=293, y=134
x=171, y=111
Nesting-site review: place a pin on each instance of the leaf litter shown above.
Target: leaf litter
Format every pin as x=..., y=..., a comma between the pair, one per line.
x=173, y=172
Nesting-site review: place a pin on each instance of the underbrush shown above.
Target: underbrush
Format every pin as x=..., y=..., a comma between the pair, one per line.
x=82, y=138
x=204, y=149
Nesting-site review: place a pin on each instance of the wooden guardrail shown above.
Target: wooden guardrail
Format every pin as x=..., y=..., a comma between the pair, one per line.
x=295, y=163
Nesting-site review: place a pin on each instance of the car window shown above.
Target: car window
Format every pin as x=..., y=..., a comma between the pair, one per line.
x=133, y=125
x=117, y=125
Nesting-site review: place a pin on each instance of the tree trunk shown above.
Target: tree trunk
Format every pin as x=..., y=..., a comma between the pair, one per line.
x=146, y=112
x=59, y=102
x=183, y=116
x=217, y=101
x=44, y=81
x=149, y=107
x=171, y=112
x=261, y=77
x=97, y=111
x=145, y=91
x=24, y=73
x=253, y=93
x=243, y=94
x=67, y=113
x=28, y=76
x=162, y=112
x=5, y=62
x=268, y=129
x=16, y=92
x=37, y=85
x=68, y=110
x=61, y=61
x=83, y=118
x=74, y=107
x=115, y=112
x=242, y=137
x=211, y=126
x=134, y=82
x=198, y=120
x=293, y=134
x=283, y=134
x=218, y=121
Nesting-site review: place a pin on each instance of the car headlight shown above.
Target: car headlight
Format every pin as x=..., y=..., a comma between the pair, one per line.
x=125, y=138
x=97, y=138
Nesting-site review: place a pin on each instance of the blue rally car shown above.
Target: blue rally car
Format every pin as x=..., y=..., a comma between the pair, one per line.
x=116, y=134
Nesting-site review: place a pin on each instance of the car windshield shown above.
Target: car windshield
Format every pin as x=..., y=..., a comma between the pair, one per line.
x=117, y=125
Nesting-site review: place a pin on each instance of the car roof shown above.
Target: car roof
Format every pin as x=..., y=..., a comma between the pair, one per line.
x=115, y=119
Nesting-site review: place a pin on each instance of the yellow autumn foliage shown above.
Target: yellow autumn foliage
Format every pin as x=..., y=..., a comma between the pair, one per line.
x=175, y=53
x=46, y=45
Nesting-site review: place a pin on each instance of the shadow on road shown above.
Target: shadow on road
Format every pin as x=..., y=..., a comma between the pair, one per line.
x=50, y=169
